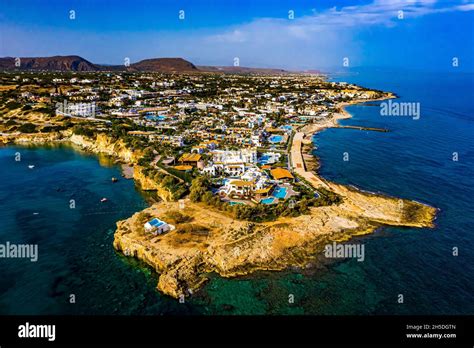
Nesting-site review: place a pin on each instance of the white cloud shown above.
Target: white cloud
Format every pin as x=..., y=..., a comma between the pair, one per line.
x=466, y=7
x=322, y=38
x=318, y=40
x=379, y=12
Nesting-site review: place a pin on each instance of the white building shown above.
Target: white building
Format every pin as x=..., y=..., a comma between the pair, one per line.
x=230, y=169
x=156, y=226
x=256, y=176
x=76, y=109
x=239, y=188
x=256, y=140
x=270, y=157
x=235, y=156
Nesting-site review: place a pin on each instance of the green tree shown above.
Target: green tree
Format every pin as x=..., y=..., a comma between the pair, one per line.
x=199, y=187
x=27, y=128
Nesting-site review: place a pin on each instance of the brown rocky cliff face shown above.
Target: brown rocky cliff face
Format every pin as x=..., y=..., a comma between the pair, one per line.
x=233, y=248
x=34, y=138
x=105, y=144
x=148, y=184
x=100, y=144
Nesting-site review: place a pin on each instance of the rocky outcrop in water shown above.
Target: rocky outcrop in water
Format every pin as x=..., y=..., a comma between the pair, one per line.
x=213, y=242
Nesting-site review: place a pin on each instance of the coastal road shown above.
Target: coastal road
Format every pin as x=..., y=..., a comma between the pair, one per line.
x=298, y=165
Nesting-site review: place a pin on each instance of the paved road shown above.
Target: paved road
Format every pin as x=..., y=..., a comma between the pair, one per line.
x=298, y=165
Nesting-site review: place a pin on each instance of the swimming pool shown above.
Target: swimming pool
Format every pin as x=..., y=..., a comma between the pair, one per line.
x=269, y=200
x=155, y=118
x=235, y=203
x=279, y=192
x=275, y=139
x=264, y=159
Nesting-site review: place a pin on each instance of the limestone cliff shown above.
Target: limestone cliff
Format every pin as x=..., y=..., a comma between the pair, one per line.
x=217, y=243
x=148, y=184
x=118, y=149
x=103, y=143
x=34, y=138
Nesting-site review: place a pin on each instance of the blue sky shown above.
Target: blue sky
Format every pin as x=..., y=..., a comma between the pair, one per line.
x=260, y=33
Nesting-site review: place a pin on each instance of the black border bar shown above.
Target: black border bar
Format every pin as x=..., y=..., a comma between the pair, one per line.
x=243, y=330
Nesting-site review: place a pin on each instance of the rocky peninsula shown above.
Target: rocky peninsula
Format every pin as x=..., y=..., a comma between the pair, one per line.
x=208, y=240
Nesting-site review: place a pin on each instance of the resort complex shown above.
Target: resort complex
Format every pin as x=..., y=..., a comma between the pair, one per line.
x=227, y=158
x=236, y=130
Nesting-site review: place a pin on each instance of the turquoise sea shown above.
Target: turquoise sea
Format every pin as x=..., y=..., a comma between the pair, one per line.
x=413, y=160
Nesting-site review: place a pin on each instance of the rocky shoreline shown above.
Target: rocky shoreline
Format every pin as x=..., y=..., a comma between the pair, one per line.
x=233, y=248
x=211, y=241
x=101, y=144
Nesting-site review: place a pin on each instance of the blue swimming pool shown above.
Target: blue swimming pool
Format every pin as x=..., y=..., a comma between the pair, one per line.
x=155, y=118
x=264, y=159
x=279, y=192
x=269, y=200
x=275, y=139
x=235, y=203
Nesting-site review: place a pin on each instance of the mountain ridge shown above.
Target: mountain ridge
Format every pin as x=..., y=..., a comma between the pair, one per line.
x=53, y=63
x=163, y=65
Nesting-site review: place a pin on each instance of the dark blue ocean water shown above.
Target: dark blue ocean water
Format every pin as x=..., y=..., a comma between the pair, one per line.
x=75, y=245
x=413, y=160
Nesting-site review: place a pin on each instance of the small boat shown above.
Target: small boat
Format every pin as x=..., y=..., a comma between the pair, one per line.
x=31, y=166
x=114, y=179
x=35, y=213
x=103, y=200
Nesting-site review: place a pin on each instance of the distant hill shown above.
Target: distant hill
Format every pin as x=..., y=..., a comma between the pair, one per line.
x=316, y=72
x=76, y=63
x=56, y=63
x=163, y=65
x=242, y=70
